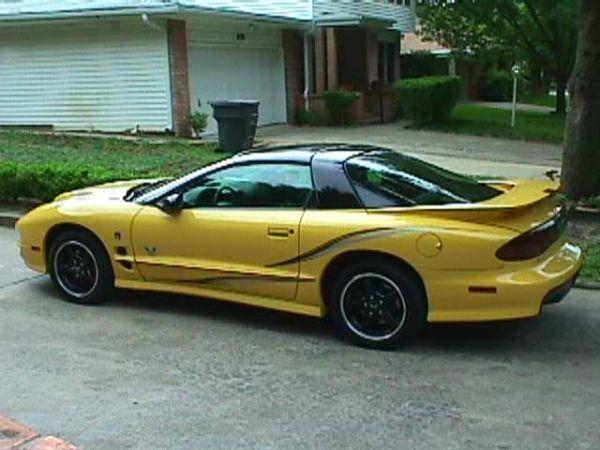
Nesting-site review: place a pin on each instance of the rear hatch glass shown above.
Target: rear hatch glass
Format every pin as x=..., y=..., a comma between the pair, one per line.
x=386, y=179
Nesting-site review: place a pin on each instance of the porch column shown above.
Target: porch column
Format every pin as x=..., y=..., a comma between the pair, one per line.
x=396, y=61
x=292, y=55
x=179, y=76
x=320, y=69
x=332, y=60
x=372, y=58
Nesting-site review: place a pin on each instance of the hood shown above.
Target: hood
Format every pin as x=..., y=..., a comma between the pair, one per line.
x=109, y=191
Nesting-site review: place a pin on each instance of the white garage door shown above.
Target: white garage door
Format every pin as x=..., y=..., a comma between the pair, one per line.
x=105, y=75
x=234, y=61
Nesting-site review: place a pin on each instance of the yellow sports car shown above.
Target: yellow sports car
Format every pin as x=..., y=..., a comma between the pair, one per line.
x=380, y=241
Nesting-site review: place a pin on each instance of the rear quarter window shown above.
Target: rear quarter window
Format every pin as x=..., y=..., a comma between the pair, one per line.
x=386, y=179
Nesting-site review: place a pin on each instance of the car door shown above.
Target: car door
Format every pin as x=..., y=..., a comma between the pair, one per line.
x=235, y=224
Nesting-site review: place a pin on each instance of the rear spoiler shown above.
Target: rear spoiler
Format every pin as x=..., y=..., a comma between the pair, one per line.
x=521, y=193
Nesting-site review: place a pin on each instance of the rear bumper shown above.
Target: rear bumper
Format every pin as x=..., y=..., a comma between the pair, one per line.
x=557, y=294
x=518, y=290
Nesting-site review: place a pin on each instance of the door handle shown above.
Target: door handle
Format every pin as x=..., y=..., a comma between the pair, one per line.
x=280, y=231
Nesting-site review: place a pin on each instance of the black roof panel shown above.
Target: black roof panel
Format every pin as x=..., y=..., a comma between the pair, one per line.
x=304, y=153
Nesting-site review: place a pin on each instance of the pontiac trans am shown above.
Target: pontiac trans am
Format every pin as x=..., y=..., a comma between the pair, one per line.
x=381, y=242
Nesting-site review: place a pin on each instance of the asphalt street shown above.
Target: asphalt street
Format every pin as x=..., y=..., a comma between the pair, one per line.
x=149, y=371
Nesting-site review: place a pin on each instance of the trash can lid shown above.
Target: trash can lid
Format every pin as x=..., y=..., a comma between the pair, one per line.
x=234, y=103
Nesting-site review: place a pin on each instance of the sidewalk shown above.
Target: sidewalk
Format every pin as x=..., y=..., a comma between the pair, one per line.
x=474, y=155
x=525, y=107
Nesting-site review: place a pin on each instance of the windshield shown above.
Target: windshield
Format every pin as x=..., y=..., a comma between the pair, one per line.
x=386, y=179
x=140, y=189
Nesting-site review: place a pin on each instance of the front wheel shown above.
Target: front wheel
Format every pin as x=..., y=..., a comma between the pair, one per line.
x=377, y=305
x=80, y=268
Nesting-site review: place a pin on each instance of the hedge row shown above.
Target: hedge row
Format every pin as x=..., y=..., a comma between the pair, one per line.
x=427, y=100
x=46, y=181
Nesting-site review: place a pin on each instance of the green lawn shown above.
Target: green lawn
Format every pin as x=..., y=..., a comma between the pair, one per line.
x=139, y=156
x=41, y=166
x=591, y=268
x=482, y=121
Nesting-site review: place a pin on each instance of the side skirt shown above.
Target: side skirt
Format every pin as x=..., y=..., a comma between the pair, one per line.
x=261, y=302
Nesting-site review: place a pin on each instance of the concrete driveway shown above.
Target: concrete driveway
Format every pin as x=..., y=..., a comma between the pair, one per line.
x=149, y=371
x=467, y=154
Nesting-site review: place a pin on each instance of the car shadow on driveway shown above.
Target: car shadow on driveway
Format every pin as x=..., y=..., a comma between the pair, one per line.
x=561, y=329
x=217, y=310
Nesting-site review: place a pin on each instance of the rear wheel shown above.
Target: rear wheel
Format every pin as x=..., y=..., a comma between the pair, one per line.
x=80, y=268
x=377, y=305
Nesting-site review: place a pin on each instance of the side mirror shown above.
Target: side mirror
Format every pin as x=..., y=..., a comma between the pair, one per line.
x=172, y=205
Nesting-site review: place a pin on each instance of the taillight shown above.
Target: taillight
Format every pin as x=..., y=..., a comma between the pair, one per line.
x=534, y=242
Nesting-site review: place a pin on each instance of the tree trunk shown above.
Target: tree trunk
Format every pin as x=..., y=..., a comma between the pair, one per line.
x=581, y=156
x=561, y=98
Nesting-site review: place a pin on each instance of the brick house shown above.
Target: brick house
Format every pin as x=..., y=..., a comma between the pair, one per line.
x=114, y=65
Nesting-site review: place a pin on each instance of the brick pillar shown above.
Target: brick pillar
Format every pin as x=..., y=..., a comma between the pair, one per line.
x=293, y=52
x=320, y=64
x=372, y=58
x=179, y=75
x=332, y=60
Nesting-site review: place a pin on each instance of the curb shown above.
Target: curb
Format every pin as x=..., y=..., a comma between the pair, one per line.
x=9, y=220
x=587, y=285
x=585, y=214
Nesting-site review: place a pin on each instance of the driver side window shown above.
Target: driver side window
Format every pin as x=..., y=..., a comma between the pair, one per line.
x=252, y=186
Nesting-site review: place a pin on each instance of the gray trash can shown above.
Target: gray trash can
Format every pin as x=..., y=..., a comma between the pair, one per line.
x=237, y=121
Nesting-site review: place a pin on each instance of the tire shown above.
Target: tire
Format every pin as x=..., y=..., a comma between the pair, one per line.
x=376, y=304
x=80, y=268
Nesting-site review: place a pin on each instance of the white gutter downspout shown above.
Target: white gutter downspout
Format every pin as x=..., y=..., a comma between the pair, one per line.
x=307, y=74
x=307, y=56
x=151, y=24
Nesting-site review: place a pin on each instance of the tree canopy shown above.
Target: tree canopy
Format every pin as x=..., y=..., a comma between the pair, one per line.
x=543, y=32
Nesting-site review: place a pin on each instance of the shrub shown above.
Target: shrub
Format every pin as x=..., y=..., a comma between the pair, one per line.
x=313, y=118
x=45, y=181
x=199, y=122
x=497, y=85
x=301, y=115
x=427, y=100
x=338, y=104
